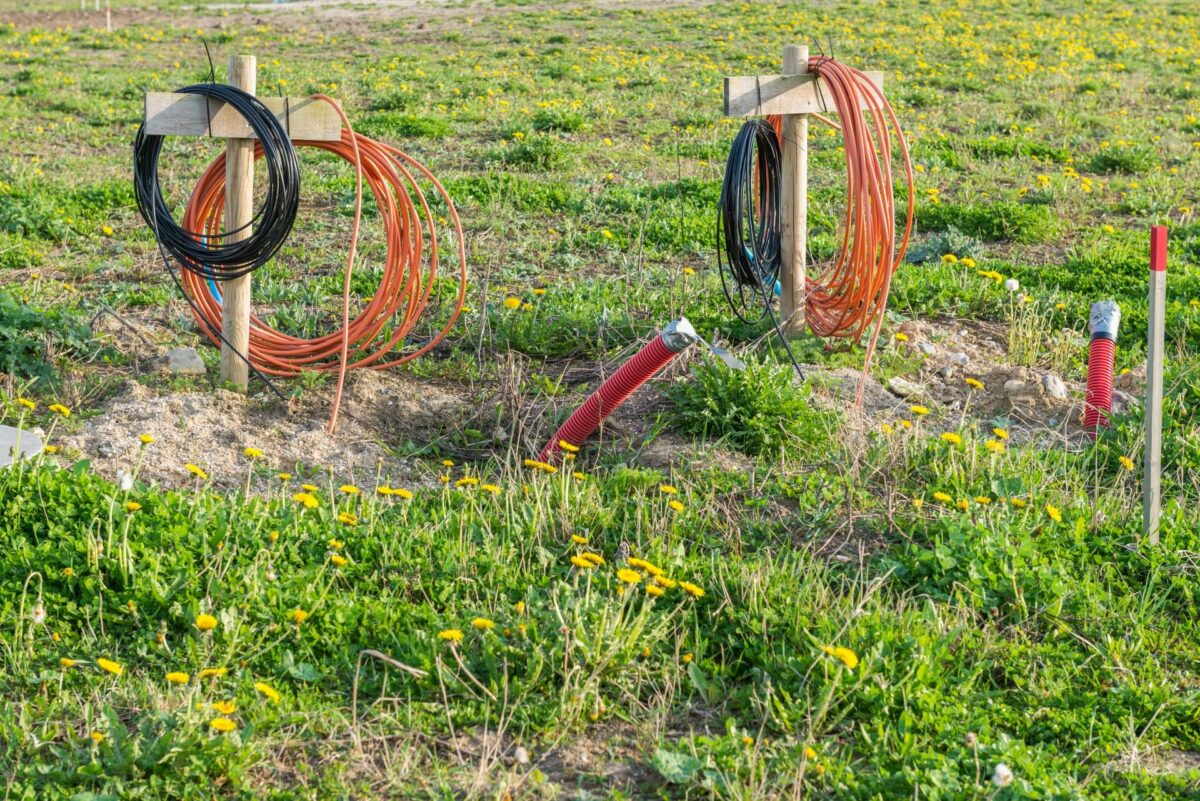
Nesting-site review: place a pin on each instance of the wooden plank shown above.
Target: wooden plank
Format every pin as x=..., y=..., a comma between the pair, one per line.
x=239, y=210
x=757, y=96
x=1155, y=347
x=173, y=114
x=793, y=206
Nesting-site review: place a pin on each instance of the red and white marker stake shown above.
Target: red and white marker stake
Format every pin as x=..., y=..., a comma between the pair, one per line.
x=1152, y=478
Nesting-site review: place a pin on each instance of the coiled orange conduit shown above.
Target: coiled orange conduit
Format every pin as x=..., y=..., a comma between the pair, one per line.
x=404, y=289
x=842, y=299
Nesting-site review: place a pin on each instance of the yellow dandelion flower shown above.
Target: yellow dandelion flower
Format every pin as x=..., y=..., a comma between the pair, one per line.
x=483, y=624
x=492, y=488
x=843, y=655
x=267, y=691
x=145, y=439
x=919, y=411
x=951, y=438
x=27, y=403
x=691, y=589
x=308, y=487
x=212, y=673
x=338, y=560
x=223, y=725
x=298, y=616
x=579, y=540
x=643, y=565
x=309, y=501
x=994, y=446
x=676, y=506
x=178, y=677
x=810, y=752
x=949, y=258
x=52, y=448
x=1001, y=433
x=886, y=428
x=109, y=666
x=66, y=663
x=512, y=303
x=1054, y=513
x=132, y=506
x=629, y=576
x=451, y=635
x=466, y=481
x=400, y=492
x=917, y=503
x=1126, y=462
x=196, y=471
x=687, y=658
x=963, y=504
x=252, y=453
x=224, y=707
x=666, y=583
x=974, y=383
x=347, y=518
x=595, y=558
x=1019, y=503
x=349, y=489
x=983, y=499
x=206, y=622
x=284, y=476
x=581, y=563
x=655, y=591
x=668, y=489
x=567, y=446
x=60, y=409
x=97, y=737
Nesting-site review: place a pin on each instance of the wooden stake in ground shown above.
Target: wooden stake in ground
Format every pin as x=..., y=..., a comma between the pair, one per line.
x=239, y=209
x=170, y=114
x=795, y=94
x=1152, y=473
x=793, y=205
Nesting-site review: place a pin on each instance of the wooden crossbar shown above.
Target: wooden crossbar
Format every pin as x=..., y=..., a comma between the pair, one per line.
x=173, y=114
x=760, y=95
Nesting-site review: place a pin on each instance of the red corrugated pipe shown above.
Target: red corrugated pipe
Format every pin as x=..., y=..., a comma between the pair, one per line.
x=1105, y=319
x=643, y=366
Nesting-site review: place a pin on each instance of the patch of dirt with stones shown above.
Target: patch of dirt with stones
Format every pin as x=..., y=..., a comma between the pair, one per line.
x=212, y=429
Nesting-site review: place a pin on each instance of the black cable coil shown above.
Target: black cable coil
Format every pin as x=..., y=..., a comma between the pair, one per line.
x=748, y=223
x=194, y=250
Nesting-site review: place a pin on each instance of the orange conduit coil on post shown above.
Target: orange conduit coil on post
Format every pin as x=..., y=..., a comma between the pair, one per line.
x=403, y=293
x=845, y=297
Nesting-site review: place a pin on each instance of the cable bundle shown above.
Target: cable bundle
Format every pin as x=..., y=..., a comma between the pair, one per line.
x=210, y=256
x=410, y=266
x=842, y=298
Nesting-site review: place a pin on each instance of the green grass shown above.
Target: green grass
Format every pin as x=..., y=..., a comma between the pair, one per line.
x=997, y=598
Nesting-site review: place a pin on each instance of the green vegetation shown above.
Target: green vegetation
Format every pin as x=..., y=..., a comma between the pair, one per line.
x=869, y=612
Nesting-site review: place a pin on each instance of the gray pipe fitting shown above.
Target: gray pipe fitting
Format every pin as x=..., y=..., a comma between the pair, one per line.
x=1105, y=320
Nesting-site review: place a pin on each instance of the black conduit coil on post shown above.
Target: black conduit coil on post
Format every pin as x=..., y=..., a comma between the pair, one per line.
x=748, y=226
x=223, y=260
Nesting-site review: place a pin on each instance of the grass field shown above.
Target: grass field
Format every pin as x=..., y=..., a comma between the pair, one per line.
x=803, y=605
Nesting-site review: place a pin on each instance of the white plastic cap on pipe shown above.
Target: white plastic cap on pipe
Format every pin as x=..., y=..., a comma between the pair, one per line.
x=1105, y=319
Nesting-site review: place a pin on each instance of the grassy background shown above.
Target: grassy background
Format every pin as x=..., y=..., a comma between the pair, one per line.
x=1015, y=618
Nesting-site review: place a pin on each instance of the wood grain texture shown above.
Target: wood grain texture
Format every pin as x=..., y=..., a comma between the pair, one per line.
x=172, y=114
x=239, y=209
x=793, y=207
x=757, y=96
x=1155, y=354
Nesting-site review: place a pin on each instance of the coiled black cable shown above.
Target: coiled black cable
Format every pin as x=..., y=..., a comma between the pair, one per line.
x=748, y=222
x=748, y=226
x=195, y=250
x=212, y=256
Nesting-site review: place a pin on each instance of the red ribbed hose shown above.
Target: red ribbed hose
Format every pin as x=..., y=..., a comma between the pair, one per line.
x=1099, y=384
x=608, y=396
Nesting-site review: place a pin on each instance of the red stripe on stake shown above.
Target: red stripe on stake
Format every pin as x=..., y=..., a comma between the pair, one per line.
x=1158, y=248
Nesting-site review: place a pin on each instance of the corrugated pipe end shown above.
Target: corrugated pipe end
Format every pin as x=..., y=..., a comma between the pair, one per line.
x=679, y=334
x=1105, y=319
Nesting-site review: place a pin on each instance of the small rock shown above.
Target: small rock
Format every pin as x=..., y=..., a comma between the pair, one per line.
x=1121, y=401
x=946, y=371
x=960, y=358
x=1052, y=422
x=927, y=348
x=1013, y=386
x=521, y=756
x=106, y=450
x=183, y=361
x=1054, y=386
x=905, y=388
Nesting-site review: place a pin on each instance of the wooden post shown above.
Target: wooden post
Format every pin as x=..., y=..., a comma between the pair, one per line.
x=239, y=209
x=1152, y=473
x=108, y=15
x=793, y=204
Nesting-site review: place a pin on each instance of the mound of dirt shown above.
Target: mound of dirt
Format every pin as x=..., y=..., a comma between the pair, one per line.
x=212, y=430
